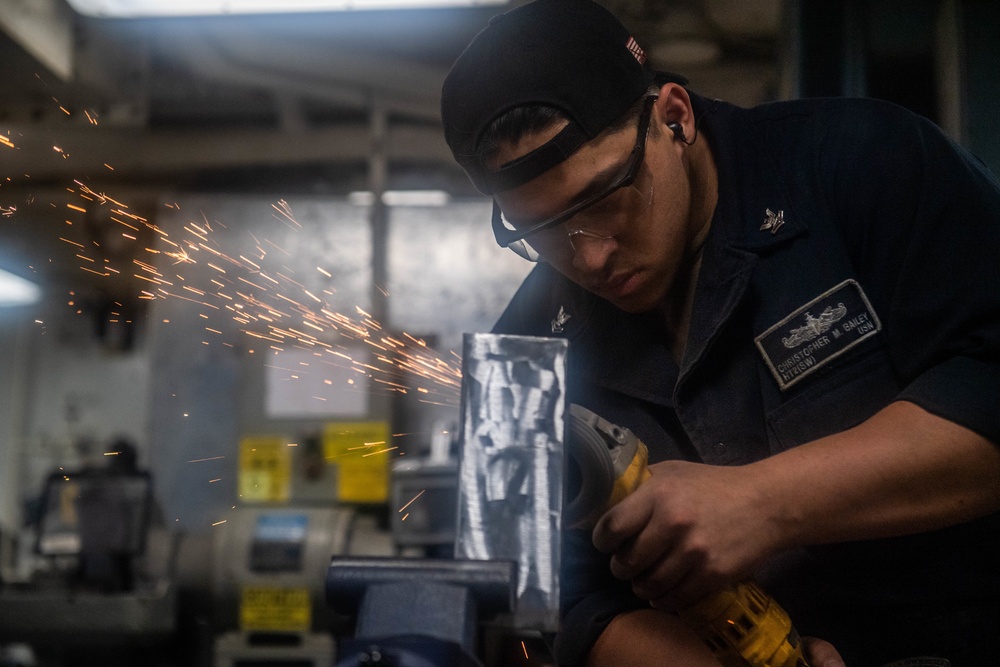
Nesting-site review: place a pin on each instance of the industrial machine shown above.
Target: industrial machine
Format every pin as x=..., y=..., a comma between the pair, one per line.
x=109, y=585
x=97, y=589
x=269, y=564
x=424, y=492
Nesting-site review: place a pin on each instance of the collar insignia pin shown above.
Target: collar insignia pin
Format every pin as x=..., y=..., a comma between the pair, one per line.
x=773, y=221
x=560, y=320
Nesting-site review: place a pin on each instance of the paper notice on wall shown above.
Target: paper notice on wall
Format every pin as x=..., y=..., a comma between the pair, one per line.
x=361, y=452
x=265, y=473
x=331, y=385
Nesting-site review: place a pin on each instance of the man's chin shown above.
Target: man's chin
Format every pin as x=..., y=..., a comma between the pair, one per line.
x=635, y=304
x=634, y=308
x=646, y=295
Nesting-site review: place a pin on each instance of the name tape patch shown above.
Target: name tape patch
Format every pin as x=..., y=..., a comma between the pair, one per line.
x=818, y=332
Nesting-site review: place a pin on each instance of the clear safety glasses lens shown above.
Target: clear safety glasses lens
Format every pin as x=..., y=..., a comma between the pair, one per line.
x=508, y=236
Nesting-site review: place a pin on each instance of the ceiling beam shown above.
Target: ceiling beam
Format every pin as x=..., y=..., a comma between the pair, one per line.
x=129, y=150
x=341, y=77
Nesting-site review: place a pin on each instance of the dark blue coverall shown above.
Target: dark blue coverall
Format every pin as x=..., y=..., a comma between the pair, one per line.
x=853, y=260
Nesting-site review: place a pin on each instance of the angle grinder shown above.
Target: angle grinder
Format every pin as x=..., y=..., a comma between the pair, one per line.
x=742, y=625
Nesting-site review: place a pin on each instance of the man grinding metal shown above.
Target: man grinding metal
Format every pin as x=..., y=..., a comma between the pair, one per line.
x=796, y=307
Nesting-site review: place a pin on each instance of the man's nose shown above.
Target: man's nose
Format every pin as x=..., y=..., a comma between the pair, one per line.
x=590, y=253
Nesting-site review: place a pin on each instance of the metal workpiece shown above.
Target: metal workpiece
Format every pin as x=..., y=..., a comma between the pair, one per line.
x=511, y=464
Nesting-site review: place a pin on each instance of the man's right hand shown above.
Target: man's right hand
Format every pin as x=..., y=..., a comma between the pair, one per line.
x=688, y=531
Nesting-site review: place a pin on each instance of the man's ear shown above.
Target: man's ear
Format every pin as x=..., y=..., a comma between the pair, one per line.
x=674, y=112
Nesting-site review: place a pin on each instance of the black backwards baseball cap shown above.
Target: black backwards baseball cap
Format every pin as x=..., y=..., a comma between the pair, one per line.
x=573, y=55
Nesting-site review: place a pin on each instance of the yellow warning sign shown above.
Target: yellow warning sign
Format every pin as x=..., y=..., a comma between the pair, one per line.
x=361, y=451
x=265, y=469
x=275, y=609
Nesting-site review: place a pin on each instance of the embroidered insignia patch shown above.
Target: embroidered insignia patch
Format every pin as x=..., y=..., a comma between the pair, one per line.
x=772, y=221
x=818, y=332
x=559, y=323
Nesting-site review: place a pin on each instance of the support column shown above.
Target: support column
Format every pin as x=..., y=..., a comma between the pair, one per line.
x=379, y=215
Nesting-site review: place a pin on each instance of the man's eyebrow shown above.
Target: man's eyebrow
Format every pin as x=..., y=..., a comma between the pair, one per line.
x=597, y=184
x=600, y=181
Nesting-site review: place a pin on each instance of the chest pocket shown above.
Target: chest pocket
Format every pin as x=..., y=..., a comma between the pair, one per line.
x=835, y=401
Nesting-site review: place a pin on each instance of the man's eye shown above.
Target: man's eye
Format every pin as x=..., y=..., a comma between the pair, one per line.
x=602, y=209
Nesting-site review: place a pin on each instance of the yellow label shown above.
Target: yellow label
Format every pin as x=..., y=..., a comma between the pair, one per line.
x=276, y=609
x=265, y=469
x=361, y=452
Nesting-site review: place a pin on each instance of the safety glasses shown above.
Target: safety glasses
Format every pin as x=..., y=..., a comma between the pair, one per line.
x=510, y=236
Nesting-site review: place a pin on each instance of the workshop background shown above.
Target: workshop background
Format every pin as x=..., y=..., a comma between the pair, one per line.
x=237, y=245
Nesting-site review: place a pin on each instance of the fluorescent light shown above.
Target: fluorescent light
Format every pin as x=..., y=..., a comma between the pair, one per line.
x=16, y=291
x=402, y=198
x=415, y=198
x=140, y=8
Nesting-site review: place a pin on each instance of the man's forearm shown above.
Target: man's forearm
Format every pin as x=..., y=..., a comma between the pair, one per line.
x=649, y=638
x=902, y=471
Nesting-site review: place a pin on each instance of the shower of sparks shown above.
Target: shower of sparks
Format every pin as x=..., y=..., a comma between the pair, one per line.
x=250, y=288
x=266, y=303
x=367, y=445
x=210, y=458
x=285, y=214
x=411, y=500
x=381, y=451
x=525, y=649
